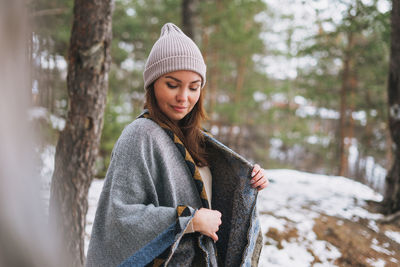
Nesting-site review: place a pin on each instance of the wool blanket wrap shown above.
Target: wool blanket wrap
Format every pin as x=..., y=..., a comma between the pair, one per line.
x=149, y=198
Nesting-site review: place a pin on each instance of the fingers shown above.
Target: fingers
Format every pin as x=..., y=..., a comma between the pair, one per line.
x=213, y=234
x=261, y=180
x=218, y=213
x=214, y=237
x=256, y=174
x=207, y=222
x=256, y=169
x=262, y=186
x=216, y=224
x=258, y=180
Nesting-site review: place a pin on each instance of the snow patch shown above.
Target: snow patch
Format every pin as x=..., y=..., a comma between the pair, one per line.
x=293, y=200
x=376, y=263
x=94, y=195
x=37, y=113
x=47, y=164
x=395, y=236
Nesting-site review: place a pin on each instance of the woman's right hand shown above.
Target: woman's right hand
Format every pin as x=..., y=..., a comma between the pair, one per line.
x=207, y=222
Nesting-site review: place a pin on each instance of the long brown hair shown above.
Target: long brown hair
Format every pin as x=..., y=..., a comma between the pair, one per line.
x=188, y=129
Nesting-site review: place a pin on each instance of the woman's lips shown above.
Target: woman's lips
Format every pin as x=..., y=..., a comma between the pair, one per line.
x=179, y=109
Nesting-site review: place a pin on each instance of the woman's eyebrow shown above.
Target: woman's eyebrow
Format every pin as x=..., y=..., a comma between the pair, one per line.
x=196, y=81
x=173, y=78
x=179, y=81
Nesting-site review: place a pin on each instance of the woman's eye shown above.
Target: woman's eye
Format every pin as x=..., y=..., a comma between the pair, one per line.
x=194, y=88
x=171, y=86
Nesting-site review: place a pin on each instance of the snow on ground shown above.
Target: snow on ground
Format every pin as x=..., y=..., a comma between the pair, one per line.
x=293, y=200
x=395, y=236
x=94, y=194
x=46, y=168
x=46, y=164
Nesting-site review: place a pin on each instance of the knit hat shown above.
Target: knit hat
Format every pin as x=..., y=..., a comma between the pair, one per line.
x=171, y=52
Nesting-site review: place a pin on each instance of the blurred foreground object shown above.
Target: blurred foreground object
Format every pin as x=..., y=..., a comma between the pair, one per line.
x=392, y=195
x=25, y=238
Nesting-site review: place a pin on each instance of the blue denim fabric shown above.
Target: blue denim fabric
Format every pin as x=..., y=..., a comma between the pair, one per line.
x=157, y=246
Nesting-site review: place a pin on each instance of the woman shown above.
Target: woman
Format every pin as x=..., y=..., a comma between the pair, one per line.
x=173, y=195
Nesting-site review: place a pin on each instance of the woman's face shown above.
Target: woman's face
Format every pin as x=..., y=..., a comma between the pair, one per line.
x=177, y=92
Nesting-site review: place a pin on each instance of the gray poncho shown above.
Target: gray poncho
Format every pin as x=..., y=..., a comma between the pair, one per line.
x=136, y=219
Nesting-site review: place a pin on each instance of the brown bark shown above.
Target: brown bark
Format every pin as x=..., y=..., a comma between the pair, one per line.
x=344, y=111
x=205, y=44
x=241, y=70
x=188, y=17
x=392, y=194
x=343, y=163
x=389, y=153
x=214, y=71
x=77, y=148
x=49, y=85
x=350, y=125
x=212, y=86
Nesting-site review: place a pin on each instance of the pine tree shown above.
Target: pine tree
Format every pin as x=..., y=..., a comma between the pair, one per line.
x=392, y=195
x=89, y=63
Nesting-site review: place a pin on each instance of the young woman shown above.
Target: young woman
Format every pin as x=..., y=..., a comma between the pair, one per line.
x=174, y=195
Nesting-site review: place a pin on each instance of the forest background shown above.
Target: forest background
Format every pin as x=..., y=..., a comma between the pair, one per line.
x=295, y=84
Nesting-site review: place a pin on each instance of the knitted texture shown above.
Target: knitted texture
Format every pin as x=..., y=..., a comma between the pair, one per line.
x=173, y=51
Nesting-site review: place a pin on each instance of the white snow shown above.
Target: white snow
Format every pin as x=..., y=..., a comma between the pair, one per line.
x=293, y=200
x=46, y=168
x=395, y=236
x=377, y=263
x=47, y=164
x=57, y=122
x=259, y=96
x=94, y=194
x=37, y=112
x=381, y=248
x=300, y=100
x=42, y=113
x=292, y=255
x=310, y=111
x=372, y=225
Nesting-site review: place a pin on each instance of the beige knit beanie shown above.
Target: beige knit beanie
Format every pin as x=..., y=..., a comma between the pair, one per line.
x=171, y=52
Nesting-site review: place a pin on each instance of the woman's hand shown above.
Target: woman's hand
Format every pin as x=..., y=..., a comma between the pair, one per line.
x=207, y=222
x=258, y=179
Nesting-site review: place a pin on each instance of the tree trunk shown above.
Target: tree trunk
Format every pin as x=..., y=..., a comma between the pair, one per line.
x=350, y=126
x=388, y=145
x=343, y=164
x=392, y=193
x=241, y=70
x=77, y=148
x=213, y=84
x=205, y=46
x=344, y=114
x=214, y=69
x=188, y=17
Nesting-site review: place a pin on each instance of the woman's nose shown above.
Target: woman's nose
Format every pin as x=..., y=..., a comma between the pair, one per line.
x=182, y=95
